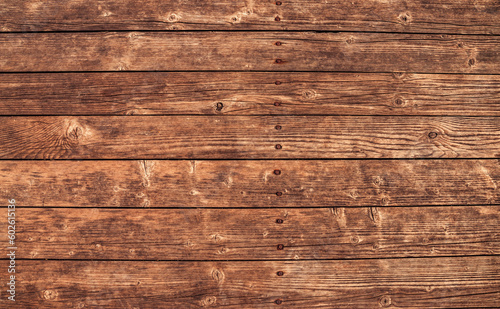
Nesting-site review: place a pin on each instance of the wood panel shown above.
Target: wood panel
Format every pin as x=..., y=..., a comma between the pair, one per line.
x=398, y=283
x=248, y=93
x=248, y=51
x=248, y=137
x=438, y=16
x=253, y=184
x=255, y=234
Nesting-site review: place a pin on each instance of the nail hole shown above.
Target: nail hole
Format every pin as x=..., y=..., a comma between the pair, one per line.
x=280, y=273
x=279, y=3
x=279, y=193
x=278, y=146
x=278, y=127
x=280, y=247
x=433, y=135
x=277, y=43
x=277, y=103
x=277, y=82
x=277, y=18
x=277, y=172
x=279, y=221
x=279, y=61
x=278, y=302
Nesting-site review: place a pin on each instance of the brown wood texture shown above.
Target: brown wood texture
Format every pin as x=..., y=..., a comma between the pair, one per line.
x=248, y=137
x=438, y=16
x=395, y=283
x=251, y=184
x=248, y=93
x=248, y=51
x=254, y=234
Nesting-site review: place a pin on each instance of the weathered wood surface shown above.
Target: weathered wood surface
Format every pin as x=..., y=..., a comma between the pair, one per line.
x=437, y=16
x=248, y=51
x=254, y=234
x=398, y=283
x=253, y=184
x=248, y=137
x=248, y=93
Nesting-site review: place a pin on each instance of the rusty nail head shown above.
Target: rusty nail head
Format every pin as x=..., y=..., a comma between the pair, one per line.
x=279, y=61
x=278, y=302
x=277, y=172
x=280, y=273
x=277, y=103
x=280, y=247
x=278, y=127
x=279, y=221
x=277, y=43
x=279, y=193
x=279, y=3
x=277, y=18
x=278, y=146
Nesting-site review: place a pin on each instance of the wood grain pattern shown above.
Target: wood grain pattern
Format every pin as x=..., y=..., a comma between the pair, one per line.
x=253, y=184
x=248, y=93
x=248, y=51
x=254, y=234
x=248, y=137
x=398, y=283
x=437, y=16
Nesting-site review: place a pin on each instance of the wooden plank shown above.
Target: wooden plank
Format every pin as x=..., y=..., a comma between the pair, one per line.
x=248, y=137
x=398, y=283
x=437, y=16
x=248, y=51
x=250, y=183
x=255, y=234
x=248, y=93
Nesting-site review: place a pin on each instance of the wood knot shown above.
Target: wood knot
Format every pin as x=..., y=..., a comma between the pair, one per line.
x=355, y=239
x=399, y=102
x=398, y=75
x=49, y=294
x=219, y=106
x=173, y=18
x=309, y=94
x=385, y=301
x=208, y=301
x=471, y=62
x=404, y=18
x=349, y=40
x=432, y=135
x=218, y=276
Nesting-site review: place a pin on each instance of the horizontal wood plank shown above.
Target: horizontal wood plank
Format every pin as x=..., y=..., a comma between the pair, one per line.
x=248, y=51
x=248, y=137
x=395, y=283
x=250, y=183
x=255, y=234
x=248, y=93
x=459, y=16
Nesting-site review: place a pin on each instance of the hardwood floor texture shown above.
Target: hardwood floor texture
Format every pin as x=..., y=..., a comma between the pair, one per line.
x=251, y=154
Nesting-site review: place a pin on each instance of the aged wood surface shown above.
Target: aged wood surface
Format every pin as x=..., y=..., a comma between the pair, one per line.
x=248, y=137
x=438, y=16
x=253, y=184
x=248, y=93
x=395, y=283
x=255, y=234
x=248, y=51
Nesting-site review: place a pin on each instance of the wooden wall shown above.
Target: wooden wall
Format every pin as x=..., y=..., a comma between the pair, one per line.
x=251, y=154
